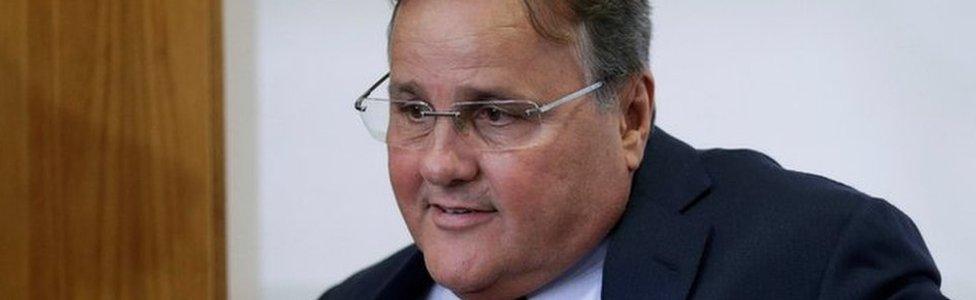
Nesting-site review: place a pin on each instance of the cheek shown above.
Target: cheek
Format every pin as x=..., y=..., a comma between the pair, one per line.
x=406, y=181
x=531, y=192
x=548, y=193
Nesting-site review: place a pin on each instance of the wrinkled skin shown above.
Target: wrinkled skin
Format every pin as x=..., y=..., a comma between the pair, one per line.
x=542, y=208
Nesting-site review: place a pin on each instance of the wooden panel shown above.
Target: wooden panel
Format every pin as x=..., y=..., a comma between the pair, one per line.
x=118, y=161
x=14, y=230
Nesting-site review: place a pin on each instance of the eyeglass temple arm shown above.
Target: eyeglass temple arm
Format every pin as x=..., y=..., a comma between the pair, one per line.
x=570, y=97
x=359, y=101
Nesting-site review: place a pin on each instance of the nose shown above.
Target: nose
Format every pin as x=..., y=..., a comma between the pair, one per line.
x=448, y=162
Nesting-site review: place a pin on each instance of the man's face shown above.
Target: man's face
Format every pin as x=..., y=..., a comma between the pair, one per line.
x=529, y=214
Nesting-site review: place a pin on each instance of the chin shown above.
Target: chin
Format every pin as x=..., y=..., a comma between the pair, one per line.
x=463, y=274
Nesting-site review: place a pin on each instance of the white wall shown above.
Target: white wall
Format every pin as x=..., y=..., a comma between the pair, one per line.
x=877, y=94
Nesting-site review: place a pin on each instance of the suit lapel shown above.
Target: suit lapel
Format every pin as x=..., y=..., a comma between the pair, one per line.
x=654, y=250
x=410, y=281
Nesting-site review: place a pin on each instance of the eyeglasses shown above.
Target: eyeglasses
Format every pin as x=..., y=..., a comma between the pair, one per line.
x=492, y=125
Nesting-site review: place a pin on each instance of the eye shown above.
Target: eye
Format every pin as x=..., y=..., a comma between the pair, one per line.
x=414, y=111
x=494, y=115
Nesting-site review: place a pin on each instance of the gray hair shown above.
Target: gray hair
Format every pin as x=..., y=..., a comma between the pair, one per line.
x=613, y=36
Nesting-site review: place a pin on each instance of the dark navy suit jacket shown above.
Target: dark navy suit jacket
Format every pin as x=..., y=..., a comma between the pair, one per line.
x=728, y=224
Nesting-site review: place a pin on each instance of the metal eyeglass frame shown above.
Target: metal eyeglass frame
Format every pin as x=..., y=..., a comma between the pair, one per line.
x=455, y=114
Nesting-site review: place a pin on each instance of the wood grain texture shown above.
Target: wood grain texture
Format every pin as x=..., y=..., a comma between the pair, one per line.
x=116, y=140
x=14, y=230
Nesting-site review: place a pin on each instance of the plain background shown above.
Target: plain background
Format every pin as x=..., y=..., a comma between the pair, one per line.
x=880, y=95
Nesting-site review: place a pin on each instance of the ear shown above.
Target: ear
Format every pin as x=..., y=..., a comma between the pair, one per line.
x=637, y=110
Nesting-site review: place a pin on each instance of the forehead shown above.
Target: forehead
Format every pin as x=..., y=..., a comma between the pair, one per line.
x=454, y=42
x=446, y=21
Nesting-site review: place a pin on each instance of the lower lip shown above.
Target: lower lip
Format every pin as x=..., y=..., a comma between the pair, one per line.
x=458, y=222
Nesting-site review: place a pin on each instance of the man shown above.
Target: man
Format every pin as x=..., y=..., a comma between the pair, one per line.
x=574, y=194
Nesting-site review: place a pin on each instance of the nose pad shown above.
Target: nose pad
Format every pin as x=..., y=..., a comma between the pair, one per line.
x=443, y=135
x=459, y=124
x=456, y=119
x=447, y=162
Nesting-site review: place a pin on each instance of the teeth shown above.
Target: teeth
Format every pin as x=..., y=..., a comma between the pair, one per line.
x=456, y=211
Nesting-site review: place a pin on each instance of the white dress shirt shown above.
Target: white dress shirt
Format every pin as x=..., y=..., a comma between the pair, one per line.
x=583, y=281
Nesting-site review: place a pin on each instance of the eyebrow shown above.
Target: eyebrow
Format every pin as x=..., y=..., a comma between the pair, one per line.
x=490, y=93
x=409, y=87
x=465, y=93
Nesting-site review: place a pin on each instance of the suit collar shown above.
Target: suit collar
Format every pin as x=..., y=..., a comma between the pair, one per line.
x=655, y=249
x=671, y=174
